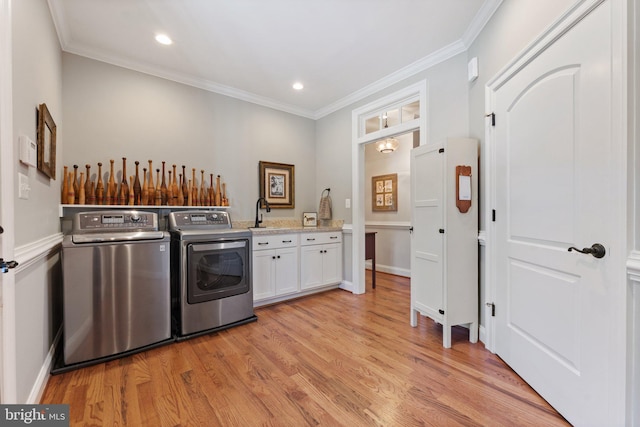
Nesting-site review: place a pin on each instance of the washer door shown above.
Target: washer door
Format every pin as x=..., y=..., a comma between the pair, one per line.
x=217, y=270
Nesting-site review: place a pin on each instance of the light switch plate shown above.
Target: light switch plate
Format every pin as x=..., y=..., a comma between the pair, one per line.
x=23, y=186
x=347, y=203
x=473, y=69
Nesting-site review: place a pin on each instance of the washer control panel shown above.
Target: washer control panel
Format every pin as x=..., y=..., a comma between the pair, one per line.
x=114, y=221
x=199, y=220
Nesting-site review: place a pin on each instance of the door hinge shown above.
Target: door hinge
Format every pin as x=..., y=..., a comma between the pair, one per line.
x=493, y=308
x=493, y=215
x=441, y=150
x=441, y=312
x=441, y=231
x=493, y=118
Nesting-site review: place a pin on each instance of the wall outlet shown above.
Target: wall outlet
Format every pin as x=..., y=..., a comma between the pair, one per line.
x=347, y=203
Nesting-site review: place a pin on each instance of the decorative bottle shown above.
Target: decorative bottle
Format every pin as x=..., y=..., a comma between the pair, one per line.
x=124, y=187
x=111, y=186
x=194, y=188
x=65, y=186
x=158, y=190
x=185, y=187
x=144, y=196
x=76, y=188
x=81, y=194
x=163, y=187
x=152, y=189
x=218, y=192
x=190, y=194
x=99, y=186
x=137, y=188
x=203, y=190
x=71, y=194
x=180, y=201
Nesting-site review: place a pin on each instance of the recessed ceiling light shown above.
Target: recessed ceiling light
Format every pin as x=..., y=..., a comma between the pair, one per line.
x=163, y=39
x=298, y=86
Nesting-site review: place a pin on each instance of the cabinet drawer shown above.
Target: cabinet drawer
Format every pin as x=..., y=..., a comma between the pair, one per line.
x=320, y=238
x=274, y=241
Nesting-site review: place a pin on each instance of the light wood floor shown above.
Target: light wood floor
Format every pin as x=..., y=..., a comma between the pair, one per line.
x=332, y=359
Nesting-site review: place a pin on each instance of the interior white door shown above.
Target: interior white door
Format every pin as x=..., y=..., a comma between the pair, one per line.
x=427, y=244
x=554, y=179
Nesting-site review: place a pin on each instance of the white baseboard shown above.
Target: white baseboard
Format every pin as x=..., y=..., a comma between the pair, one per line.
x=43, y=376
x=389, y=269
x=483, y=335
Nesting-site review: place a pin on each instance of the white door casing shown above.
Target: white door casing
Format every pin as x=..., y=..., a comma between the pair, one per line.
x=8, y=356
x=559, y=181
x=360, y=138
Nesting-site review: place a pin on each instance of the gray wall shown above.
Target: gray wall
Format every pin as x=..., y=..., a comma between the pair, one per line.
x=514, y=26
x=37, y=78
x=111, y=112
x=447, y=117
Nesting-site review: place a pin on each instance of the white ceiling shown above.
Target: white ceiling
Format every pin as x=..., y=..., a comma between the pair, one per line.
x=342, y=50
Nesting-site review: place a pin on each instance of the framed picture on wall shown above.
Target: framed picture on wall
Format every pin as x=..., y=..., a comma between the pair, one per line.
x=385, y=193
x=277, y=184
x=46, y=136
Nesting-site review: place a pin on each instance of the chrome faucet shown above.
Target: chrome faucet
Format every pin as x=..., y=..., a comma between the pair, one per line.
x=259, y=221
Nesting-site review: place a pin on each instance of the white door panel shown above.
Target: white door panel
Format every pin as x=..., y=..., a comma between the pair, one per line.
x=427, y=244
x=540, y=146
x=554, y=175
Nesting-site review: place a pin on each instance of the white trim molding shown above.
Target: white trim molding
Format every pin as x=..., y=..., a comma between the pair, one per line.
x=633, y=267
x=398, y=225
x=43, y=376
x=32, y=253
x=461, y=45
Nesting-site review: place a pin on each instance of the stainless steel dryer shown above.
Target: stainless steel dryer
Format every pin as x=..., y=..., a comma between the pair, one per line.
x=116, y=285
x=211, y=270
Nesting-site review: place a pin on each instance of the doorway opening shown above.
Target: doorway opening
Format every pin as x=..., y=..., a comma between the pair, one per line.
x=406, y=111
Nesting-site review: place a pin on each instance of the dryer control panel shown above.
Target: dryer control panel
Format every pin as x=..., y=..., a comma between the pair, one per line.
x=195, y=220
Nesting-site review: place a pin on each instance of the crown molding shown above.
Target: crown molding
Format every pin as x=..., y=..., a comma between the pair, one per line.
x=487, y=10
x=203, y=84
x=410, y=70
x=479, y=21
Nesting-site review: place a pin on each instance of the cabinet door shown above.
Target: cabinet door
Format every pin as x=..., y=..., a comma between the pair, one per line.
x=427, y=242
x=286, y=278
x=263, y=274
x=311, y=266
x=332, y=264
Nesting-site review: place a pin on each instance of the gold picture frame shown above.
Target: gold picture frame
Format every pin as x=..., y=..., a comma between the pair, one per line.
x=46, y=142
x=384, y=189
x=277, y=184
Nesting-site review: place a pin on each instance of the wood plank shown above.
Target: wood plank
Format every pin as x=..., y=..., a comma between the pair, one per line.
x=329, y=359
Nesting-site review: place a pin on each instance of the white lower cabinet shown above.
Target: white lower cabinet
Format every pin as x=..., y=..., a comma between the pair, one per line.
x=320, y=259
x=275, y=265
x=287, y=265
